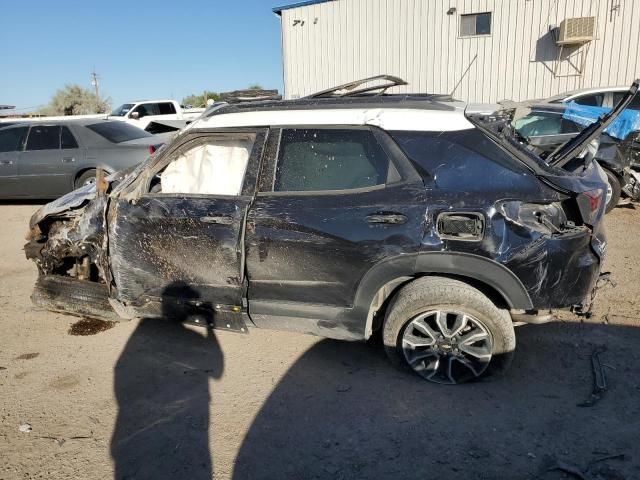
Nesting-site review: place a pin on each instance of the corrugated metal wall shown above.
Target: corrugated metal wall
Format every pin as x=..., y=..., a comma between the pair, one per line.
x=330, y=43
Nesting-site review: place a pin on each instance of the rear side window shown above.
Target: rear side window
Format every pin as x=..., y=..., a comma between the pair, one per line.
x=67, y=140
x=593, y=100
x=464, y=159
x=634, y=105
x=118, y=132
x=45, y=137
x=12, y=139
x=167, y=108
x=319, y=159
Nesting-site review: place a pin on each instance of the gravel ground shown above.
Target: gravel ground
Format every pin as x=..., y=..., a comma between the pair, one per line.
x=152, y=400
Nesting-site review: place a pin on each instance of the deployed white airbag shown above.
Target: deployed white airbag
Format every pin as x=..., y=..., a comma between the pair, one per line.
x=208, y=169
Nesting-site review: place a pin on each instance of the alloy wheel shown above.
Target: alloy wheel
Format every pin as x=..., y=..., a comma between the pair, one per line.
x=609, y=192
x=447, y=346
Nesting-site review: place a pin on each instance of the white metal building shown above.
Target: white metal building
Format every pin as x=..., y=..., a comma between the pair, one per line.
x=522, y=49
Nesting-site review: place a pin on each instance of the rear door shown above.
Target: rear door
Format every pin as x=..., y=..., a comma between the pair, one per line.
x=43, y=167
x=179, y=227
x=333, y=203
x=11, y=142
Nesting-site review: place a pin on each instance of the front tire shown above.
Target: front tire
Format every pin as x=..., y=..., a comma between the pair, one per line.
x=448, y=332
x=86, y=178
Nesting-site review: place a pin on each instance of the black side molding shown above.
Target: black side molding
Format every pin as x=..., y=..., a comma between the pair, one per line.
x=465, y=265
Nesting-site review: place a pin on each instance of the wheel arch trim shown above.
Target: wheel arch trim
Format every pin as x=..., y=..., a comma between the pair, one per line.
x=380, y=281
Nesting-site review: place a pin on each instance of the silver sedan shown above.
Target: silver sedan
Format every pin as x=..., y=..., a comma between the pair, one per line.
x=48, y=159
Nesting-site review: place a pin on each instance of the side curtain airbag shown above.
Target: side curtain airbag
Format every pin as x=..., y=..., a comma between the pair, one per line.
x=208, y=169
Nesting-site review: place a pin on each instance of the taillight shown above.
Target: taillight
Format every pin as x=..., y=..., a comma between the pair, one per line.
x=590, y=204
x=152, y=149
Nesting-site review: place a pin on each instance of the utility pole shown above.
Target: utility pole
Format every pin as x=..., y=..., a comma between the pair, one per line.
x=94, y=82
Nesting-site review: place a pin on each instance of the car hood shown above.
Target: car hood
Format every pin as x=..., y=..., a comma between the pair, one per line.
x=70, y=203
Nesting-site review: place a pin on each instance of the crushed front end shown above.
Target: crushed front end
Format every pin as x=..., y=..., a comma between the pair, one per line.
x=67, y=241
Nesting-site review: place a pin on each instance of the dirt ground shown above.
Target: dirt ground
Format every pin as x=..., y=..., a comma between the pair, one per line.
x=153, y=400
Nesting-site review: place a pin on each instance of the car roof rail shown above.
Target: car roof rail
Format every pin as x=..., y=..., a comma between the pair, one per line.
x=351, y=88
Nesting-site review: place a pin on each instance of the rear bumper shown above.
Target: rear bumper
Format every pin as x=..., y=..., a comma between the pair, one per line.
x=562, y=271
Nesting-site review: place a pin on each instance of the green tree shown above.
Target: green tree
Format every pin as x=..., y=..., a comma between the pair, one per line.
x=200, y=100
x=255, y=86
x=75, y=100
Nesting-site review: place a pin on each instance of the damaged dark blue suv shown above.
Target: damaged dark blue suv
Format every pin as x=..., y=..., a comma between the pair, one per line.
x=341, y=214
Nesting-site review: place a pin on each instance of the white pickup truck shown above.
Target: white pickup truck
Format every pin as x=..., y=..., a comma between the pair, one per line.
x=167, y=113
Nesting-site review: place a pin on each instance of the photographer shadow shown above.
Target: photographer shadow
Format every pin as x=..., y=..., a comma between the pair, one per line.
x=342, y=412
x=161, y=383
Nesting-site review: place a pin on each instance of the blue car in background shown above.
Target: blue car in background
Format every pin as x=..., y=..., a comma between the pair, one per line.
x=548, y=125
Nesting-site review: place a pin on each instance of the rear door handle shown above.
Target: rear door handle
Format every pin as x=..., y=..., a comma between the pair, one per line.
x=388, y=218
x=6, y=162
x=68, y=159
x=218, y=220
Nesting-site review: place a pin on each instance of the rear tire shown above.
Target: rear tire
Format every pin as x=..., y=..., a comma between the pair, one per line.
x=615, y=190
x=477, y=339
x=85, y=178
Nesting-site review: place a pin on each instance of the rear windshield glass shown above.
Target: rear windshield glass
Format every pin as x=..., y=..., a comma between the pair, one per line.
x=117, y=132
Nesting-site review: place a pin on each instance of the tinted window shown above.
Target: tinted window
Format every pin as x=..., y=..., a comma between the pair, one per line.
x=634, y=105
x=67, y=139
x=466, y=159
x=167, y=108
x=12, y=139
x=475, y=24
x=117, y=132
x=147, y=109
x=311, y=159
x=595, y=100
x=45, y=137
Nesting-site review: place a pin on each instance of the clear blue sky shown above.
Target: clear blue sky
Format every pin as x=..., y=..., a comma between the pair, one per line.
x=140, y=48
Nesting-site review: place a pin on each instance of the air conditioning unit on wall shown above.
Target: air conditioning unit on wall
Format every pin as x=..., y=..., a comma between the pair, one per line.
x=576, y=31
x=576, y=34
